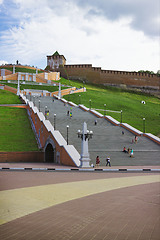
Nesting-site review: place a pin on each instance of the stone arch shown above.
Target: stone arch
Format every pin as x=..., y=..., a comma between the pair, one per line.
x=49, y=151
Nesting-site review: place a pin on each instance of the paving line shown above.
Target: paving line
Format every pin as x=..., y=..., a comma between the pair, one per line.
x=17, y=203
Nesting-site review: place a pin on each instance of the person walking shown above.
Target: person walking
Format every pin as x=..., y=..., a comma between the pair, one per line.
x=131, y=153
x=108, y=160
x=97, y=161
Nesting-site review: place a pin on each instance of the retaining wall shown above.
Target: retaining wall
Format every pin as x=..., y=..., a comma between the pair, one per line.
x=45, y=133
x=21, y=156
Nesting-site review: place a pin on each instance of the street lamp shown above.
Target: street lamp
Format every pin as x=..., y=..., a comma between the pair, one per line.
x=144, y=125
x=39, y=104
x=34, y=100
x=79, y=99
x=67, y=133
x=83, y=85
x=69, y=96
x=104, y=109
x=90, y=103
x=54, y=121
x=85, y=135
x=45, y=112
x=121, y=116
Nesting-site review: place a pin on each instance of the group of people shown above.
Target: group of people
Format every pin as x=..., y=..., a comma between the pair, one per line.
x=108, y=161
x=129, y=151
x=69, y=113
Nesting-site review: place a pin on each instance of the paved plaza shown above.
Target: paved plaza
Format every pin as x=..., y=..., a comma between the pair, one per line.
x=79, y=205
x=45, y=204
x=107, y=139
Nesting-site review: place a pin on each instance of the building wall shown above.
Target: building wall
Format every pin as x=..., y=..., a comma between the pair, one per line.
x=55, y=61
x=4, y=72
x=50, y=75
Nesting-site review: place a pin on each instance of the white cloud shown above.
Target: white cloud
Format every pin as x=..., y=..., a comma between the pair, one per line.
x=47, y=26
x=2, y=62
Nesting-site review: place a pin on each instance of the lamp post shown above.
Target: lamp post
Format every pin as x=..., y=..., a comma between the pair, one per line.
x=85, y=135
x=79, y=99
x=45, y=112
x=144, y=125
x=90, y=103
x=121, y=116
x=18, y=88
x=34, y=100
x=67, y=133
x=39, y=102
x=104, y=109
x=83, y=85
x=54, y=121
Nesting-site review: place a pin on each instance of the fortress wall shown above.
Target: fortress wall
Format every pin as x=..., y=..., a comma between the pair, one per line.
x=97, y=75
x=129, y=78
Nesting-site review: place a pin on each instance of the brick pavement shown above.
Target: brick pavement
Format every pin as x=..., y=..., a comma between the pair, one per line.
x=106, y=205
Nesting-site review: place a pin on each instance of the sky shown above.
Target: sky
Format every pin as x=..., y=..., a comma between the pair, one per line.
x=119, y=35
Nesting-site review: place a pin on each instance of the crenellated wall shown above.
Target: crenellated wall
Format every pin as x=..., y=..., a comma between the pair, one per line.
x=85, y=72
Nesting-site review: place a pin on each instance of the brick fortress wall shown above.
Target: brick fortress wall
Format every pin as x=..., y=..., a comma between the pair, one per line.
x=86, y=72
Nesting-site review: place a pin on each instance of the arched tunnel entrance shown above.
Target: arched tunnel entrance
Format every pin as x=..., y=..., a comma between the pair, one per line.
x=49, y=153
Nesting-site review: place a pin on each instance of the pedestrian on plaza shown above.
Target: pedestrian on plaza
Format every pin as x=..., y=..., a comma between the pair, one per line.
x=95, y=122
x=97, y=161
x=68, y=113
x=124, y=150
x=108, y=160
x=131, y=153
x=136, y=139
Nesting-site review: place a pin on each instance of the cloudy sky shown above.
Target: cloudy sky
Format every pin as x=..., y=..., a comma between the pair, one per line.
x=112, y=34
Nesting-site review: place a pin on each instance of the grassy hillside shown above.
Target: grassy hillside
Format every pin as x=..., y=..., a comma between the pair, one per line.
x=116, y=99
x=15, y=129
x=21, y=69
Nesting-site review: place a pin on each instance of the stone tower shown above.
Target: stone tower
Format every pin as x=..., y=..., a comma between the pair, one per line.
x=56, y=60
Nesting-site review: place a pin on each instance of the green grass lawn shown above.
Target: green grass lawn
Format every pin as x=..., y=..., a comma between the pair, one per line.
x=116, y=99
x=8, y=98
x=37, y=87
x=15, y=130
x=20, y=69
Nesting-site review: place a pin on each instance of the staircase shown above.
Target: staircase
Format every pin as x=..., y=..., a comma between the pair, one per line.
x=107, y=139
